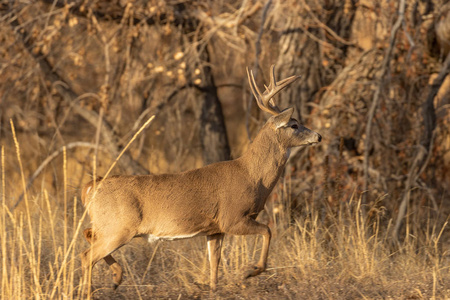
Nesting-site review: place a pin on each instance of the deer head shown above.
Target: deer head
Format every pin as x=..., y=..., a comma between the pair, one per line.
x=289, y=132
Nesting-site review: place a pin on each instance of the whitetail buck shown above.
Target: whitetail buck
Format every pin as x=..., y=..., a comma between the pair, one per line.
x=218, y=199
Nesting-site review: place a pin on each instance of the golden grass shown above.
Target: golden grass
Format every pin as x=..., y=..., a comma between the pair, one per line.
x=319, y=254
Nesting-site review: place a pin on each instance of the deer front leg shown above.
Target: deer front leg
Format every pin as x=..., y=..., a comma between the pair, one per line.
x=250, y=226
x=101, y=247
x=214, y=248
x=116, y=269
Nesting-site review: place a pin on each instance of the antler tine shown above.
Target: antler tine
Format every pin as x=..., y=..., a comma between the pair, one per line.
x=278, y=86
x=260, y=99
x=253, y=87
x=265, y=101
x=285, y=82
x=272, y=83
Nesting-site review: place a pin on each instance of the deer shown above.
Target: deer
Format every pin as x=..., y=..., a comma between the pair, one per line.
x=217, y=199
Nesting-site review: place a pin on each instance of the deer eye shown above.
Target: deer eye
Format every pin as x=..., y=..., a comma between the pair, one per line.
x=294, y=126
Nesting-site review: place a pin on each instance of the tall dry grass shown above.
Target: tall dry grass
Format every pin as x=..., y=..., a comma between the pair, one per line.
x=317, y=253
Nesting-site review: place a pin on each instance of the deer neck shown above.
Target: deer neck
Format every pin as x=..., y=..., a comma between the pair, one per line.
x=265, y=159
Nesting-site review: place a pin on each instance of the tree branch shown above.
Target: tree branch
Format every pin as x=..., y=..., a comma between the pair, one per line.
x=376, y=96
x=109, y=137
x=256, y=63
x=422, y=156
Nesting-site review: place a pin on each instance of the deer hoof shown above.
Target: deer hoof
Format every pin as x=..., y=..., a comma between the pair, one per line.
x=116, y=283
x=253, y=271
x=117, y=279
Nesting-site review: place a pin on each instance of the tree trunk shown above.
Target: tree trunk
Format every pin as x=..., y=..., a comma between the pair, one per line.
x=212, y=126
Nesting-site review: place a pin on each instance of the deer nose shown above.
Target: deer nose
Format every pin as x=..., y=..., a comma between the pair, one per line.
x=319, y=138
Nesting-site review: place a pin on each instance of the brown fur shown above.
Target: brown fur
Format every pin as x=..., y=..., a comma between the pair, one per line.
x=88, y=187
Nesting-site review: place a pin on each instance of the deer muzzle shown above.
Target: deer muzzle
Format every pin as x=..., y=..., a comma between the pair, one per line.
x=313, y=138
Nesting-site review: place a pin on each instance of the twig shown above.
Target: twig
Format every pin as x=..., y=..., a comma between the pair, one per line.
x=260, y=33
x=104, y=91
x=256, y=63
x=249, y=13
x=239, y=16
x=325, y=27
x=316, y=39
x=376, y=96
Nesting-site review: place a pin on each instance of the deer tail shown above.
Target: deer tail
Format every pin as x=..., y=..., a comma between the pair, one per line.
x=88, y=188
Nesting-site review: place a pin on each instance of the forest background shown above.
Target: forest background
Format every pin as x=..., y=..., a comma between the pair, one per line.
x=362, y=215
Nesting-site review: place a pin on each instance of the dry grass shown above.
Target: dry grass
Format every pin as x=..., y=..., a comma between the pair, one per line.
x=319, y=254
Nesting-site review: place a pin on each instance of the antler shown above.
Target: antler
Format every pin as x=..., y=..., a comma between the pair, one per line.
x=264, y=100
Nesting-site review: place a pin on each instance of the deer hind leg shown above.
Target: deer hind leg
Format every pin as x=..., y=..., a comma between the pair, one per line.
x=214, y=248
x=247, y=227
x=101, y=248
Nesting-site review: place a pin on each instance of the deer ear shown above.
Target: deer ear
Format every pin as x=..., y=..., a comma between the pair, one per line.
x=283, y=118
